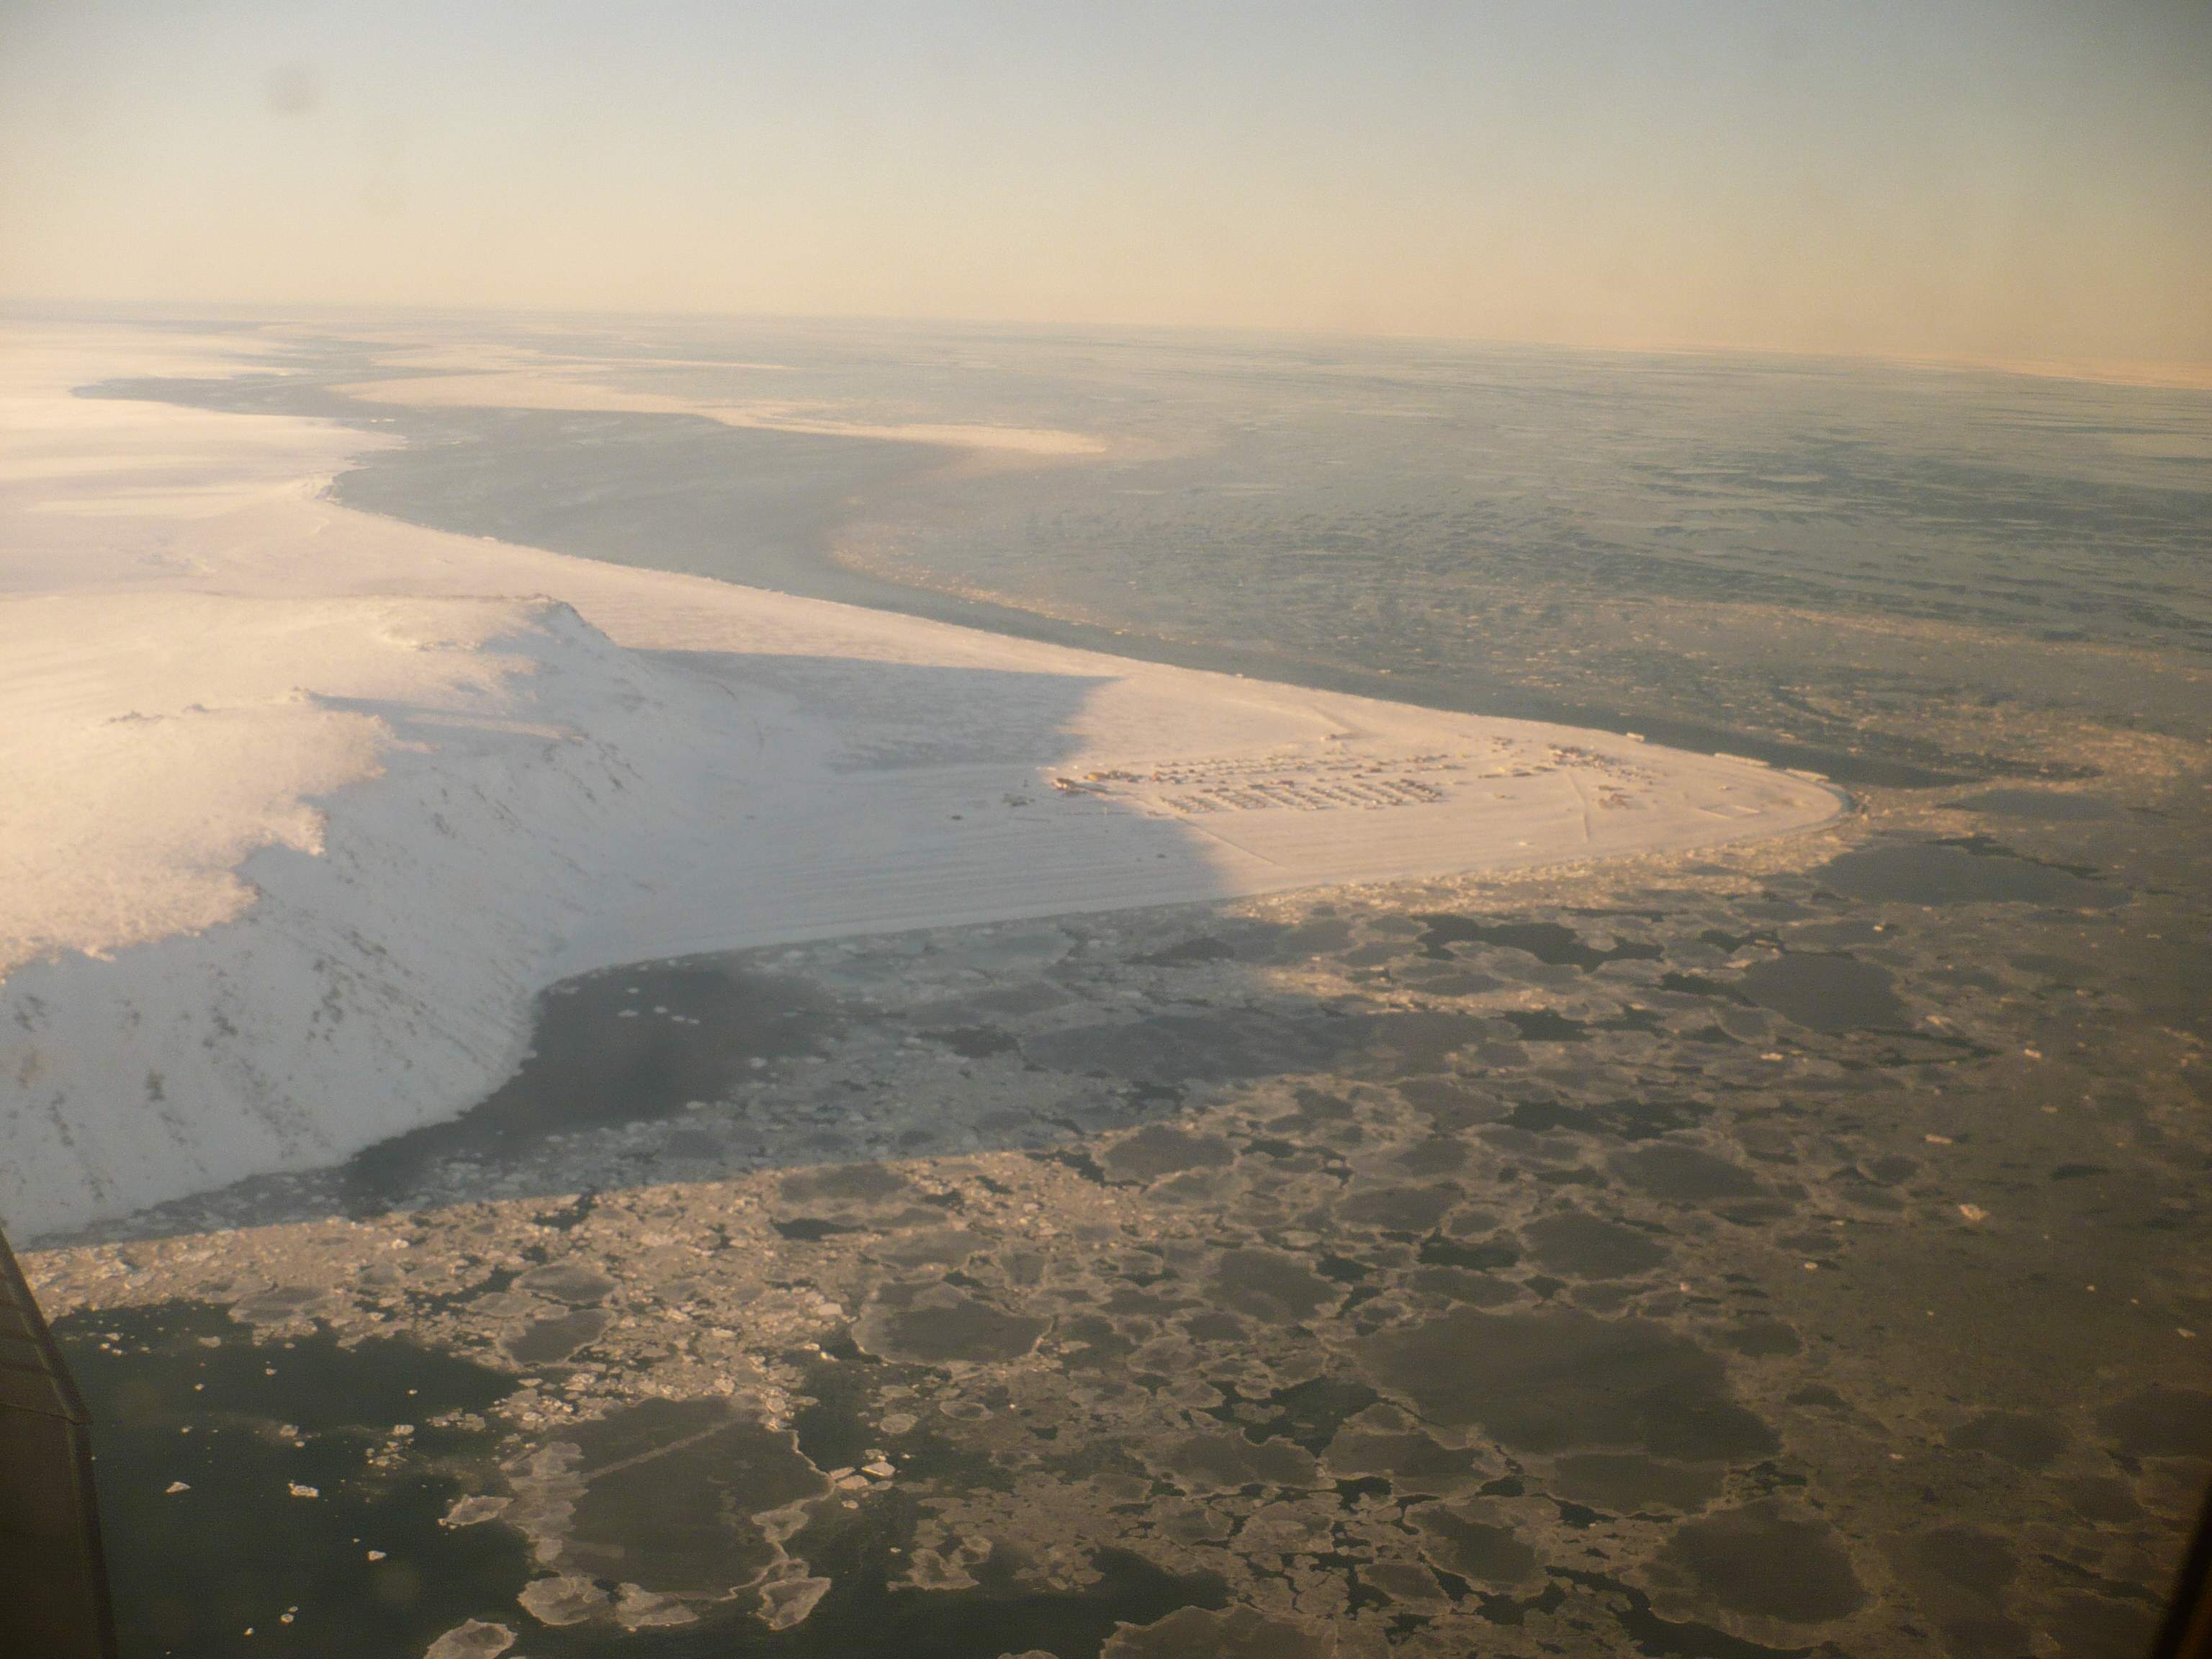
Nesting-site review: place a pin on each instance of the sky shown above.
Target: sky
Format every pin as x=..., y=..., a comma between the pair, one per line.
x=1991, y=180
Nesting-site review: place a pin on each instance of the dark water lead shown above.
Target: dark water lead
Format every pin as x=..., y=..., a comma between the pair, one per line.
x=1558, y=1380
x=626, y=1046
x=1763, y=1559
x=285, y=1498
x=260, y=1498
x=1548, y=942
x=1825, y=992
x=2037, y=805
x=1974, y=871
x=864, y=1616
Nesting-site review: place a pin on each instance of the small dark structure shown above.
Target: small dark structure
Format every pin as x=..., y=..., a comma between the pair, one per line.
x=53, y=1575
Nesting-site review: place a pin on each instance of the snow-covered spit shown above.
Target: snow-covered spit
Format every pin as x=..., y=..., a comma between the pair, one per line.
x=299, y=807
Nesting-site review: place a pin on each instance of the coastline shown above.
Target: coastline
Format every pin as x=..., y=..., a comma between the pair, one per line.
x=595, y=493
x=493, y=766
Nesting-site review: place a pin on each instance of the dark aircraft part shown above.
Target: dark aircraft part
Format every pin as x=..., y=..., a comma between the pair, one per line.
x=2187, y=1632
x=53, y=1577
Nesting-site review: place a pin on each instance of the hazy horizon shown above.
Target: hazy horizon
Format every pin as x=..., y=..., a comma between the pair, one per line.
x=2016, y=187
